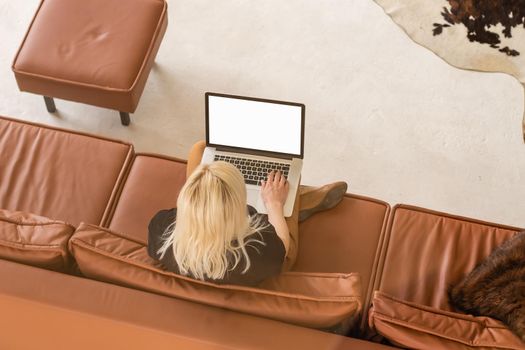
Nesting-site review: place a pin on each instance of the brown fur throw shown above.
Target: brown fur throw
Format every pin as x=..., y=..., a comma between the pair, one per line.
x=496, y=287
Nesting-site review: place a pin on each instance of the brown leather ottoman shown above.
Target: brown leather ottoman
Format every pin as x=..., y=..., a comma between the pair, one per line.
x=98, y=52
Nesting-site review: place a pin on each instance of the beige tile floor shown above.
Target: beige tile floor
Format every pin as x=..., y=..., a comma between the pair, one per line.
x=383, y=113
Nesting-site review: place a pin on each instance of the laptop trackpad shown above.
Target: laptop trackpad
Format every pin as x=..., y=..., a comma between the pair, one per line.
x=254, y=199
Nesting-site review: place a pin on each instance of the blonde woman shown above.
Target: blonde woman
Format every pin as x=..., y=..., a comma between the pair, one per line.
x=214, y=236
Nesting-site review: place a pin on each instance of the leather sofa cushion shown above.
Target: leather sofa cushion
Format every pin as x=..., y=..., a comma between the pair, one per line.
x=35, y=240
x=65, y=175
x=427, y=251
x=416, y=326
x=153, y=183
x=318, y=300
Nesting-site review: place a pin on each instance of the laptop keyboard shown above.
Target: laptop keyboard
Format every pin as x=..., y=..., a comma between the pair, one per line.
x=255, y=170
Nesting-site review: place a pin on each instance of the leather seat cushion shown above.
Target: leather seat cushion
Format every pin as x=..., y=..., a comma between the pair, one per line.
x=35, y=240
x=416, y=326
x=98, y=52
x=318, y=300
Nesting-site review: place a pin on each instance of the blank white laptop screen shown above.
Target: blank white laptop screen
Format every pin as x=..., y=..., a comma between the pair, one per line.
x=255, y=125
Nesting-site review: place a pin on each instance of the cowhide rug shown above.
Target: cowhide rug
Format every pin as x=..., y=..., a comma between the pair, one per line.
x=481, y=35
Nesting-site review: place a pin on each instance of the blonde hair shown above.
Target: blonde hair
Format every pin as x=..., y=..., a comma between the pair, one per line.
x=212, y=223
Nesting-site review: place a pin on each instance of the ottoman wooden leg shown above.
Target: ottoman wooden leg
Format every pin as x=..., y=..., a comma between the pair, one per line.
x=124, y=118
x=50, y=104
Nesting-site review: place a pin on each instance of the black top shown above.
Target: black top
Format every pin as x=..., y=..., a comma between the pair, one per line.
x=265, y=260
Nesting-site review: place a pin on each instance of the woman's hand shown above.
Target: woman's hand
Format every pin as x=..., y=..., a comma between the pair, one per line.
x=274, y=190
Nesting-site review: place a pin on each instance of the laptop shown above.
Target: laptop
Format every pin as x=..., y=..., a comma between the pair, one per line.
x=257, y=136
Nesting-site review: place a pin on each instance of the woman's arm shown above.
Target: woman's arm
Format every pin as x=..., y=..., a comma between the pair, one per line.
x=274, y=192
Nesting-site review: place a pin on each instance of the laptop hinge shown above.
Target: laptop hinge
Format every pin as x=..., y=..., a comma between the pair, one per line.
x=254, y=152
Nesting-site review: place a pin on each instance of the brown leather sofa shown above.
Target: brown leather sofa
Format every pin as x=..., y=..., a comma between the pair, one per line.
x=373, y=273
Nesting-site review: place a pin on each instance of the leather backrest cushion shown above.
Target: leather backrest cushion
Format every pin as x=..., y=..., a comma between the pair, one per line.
x=415, y=326
x=35, y=240
x=318, y=300
x=153, y=184
x=67, y=176
x=427, y=252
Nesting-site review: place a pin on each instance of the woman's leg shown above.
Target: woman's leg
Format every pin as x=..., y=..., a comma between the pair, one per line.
x=308, y=201
x=194, y=157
